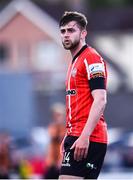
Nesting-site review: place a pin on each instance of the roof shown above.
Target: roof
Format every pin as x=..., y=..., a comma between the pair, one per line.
x=32, y=12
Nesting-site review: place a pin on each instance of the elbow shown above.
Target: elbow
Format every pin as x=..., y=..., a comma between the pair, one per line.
x=104, y=99
x=100, y=98
x=103, y=102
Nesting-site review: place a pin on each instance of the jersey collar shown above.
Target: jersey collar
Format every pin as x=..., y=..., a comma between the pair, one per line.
x=80, y=51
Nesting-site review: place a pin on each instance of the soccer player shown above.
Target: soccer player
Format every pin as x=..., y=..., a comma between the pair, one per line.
x=85, y=143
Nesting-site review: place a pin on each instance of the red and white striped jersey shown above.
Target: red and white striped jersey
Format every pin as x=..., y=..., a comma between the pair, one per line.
x=86, y=73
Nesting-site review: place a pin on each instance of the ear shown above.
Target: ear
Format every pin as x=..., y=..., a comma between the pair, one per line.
x=83, y=34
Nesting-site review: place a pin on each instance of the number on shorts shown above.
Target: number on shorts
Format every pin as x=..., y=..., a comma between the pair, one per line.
x=66, y=157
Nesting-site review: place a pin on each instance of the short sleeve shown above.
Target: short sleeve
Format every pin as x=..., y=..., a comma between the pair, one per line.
x=96, y=71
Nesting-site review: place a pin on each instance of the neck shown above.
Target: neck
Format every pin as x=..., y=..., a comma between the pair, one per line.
x=77, y=49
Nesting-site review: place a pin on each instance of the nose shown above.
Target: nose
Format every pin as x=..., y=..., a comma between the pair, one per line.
x=66, y=34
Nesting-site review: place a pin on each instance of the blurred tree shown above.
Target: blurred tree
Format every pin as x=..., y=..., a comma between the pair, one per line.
x=95, y=4
x=129, y=2
x=3, y=3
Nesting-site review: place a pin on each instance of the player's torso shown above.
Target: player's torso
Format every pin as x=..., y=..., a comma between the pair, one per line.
x=78, y=96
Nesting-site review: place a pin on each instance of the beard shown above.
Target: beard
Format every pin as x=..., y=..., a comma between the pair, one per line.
x=69, y=45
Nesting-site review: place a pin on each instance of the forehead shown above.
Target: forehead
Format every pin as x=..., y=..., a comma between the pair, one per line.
x=71, y=24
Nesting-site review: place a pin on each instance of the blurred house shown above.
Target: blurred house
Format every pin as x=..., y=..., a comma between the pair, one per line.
x=31, y=59
x=29, y=39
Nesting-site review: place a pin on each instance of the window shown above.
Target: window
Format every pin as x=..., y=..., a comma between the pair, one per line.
x=47, y=56
x=4, y=53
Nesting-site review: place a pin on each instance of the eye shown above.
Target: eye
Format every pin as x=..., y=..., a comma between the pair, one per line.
x=62, y=31
x=71, y=30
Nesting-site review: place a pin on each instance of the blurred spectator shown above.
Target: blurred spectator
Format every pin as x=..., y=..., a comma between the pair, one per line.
x=56, y=131
x=38, y=166
x=25, y=169
x=58, y=113
x=5, y=160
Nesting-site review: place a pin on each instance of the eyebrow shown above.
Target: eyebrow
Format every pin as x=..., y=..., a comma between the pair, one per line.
x=69, y=27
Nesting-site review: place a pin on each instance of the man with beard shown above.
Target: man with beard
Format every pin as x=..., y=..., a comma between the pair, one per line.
x=84, y=145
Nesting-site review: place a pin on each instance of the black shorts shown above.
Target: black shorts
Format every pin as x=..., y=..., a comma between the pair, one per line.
x=88, y=168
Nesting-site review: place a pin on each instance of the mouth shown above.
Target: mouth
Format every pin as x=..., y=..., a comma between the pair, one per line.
x=66, y=41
